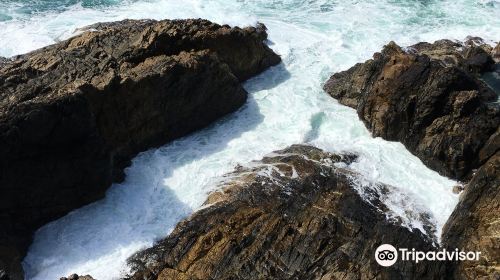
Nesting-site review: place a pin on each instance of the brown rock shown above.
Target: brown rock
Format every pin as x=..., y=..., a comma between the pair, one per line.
x=458, y=189
x=496, y=53
x=73, y=114
x=429, y=98
x=293, y=215
x=77, y=277
x=474, y=225
x=473, y=55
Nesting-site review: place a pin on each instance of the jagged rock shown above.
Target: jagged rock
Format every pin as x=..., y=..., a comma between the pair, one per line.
x=458, y=189
x=496, y=53
x=293, y=215
x=77, y=277
x=474, y=225
x=3, y=275
x=428, y=97
x=73, y=114
x=472, y=56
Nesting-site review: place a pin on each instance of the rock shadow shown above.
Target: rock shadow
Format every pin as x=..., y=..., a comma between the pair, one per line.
x=143, y=208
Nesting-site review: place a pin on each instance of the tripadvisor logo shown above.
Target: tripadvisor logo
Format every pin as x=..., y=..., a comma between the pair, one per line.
x=387, y=255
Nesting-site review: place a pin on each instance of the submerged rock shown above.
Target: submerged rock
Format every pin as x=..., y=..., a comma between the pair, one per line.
x=292, y=215
x=429, y=97
x=73, y=114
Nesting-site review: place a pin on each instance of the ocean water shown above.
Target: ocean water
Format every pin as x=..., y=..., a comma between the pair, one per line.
x=286, y=106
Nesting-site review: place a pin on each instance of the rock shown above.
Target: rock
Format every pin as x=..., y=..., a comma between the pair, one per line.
x=77, y=277
x=10, y=257
x=472, y=56
x=73, y=114
x=495, y=53
x=475, y=223
x=292, y=215
x=3, y=275
x=429, y=97
x=458, y=189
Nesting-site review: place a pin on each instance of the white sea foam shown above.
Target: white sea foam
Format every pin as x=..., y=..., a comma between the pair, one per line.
x=286, y=106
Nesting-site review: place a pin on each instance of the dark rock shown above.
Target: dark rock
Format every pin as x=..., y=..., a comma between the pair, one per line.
x=77, y=277
x=10, y=258
x=3, y=61
x=495, y=53
x=3, y=275
x=73, y=114
x=293, y=215
x=428, y=97
x=472, y=56
x=474, y=225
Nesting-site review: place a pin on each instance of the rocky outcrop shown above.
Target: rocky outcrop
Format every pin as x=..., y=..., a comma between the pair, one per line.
x=77, y=277
x=496, y=53
x=72, y=115
x=292, y=215
x=429, y=97
x=475, y=223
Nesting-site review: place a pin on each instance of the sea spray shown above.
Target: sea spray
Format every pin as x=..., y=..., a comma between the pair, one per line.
x=286, y=106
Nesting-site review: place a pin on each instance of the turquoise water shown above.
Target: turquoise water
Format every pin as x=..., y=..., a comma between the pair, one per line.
x=26, y=25
x=19, y=9
x=286, y=106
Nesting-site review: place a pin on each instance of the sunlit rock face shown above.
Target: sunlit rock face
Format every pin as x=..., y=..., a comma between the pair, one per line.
x=295, y=214
x=430, y=98
x=286, y=105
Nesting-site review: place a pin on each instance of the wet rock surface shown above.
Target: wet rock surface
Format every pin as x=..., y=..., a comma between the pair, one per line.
x=72, y=115
x=293, y=215
x=77, y=277
x=3, y=60
x=474, y=225
x=430, y=98
x=496, y=53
